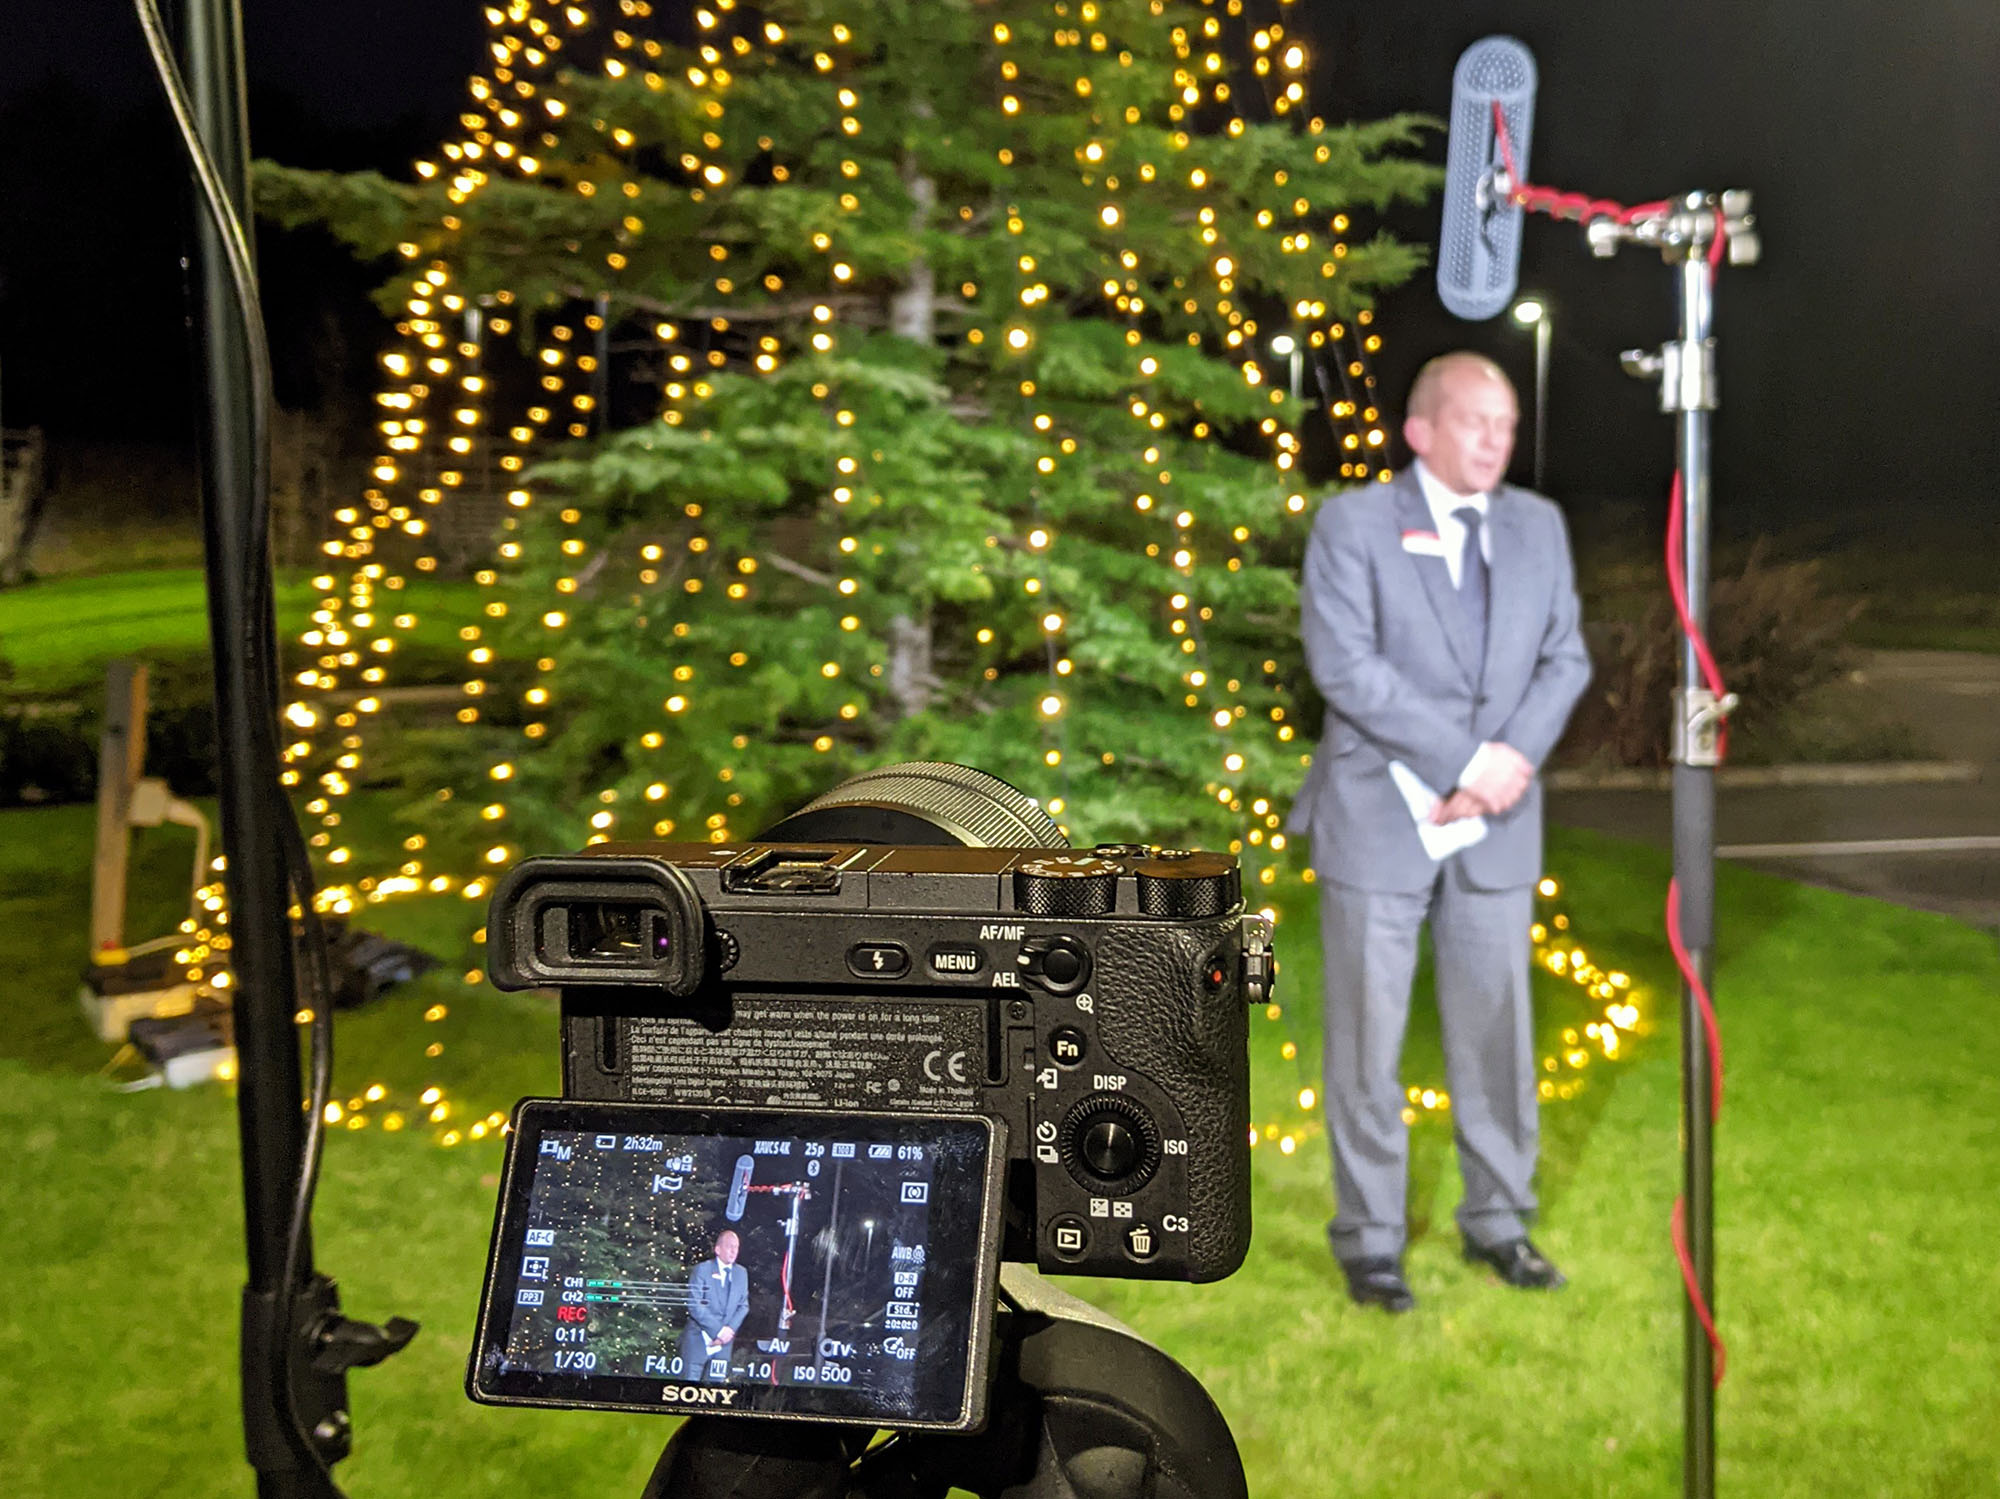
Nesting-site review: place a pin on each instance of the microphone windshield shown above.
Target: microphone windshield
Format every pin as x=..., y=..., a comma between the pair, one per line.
x=739, y=1189
x=1479, y=250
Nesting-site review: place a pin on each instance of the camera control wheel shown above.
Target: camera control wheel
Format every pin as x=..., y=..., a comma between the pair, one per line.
x=1110, y=1145
x=1187, y=886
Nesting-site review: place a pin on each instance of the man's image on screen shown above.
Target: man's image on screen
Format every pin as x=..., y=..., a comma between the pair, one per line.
x=718, y=1301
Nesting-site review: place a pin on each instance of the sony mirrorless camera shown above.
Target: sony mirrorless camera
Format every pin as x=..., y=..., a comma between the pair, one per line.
x=817, y=1085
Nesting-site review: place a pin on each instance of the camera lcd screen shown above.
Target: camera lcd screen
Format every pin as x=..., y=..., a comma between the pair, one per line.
x=837, y=1267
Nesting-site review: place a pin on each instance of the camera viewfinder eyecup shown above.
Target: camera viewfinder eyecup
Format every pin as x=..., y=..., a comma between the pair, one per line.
x=582, y=921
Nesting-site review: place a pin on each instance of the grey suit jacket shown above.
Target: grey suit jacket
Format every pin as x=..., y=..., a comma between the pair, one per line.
x=1391, y=651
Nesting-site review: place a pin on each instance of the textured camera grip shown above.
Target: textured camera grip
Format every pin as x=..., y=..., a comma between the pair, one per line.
x=1156, y=1017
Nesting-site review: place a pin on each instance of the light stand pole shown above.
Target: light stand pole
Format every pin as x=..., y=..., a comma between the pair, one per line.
x=1685, y=232
x=295, y=1347
x=1533, y=312
x=1286, y=346
x=243, y=638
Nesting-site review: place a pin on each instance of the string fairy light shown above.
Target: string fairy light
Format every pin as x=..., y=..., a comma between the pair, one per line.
x=443, y=444
x=1614, y=1018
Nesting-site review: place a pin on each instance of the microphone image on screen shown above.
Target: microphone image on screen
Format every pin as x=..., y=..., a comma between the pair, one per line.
x=1479, y=249
x=739, y=1189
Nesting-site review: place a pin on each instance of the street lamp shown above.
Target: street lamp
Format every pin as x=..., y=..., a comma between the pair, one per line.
x=1533, y=312
x=1287, y=347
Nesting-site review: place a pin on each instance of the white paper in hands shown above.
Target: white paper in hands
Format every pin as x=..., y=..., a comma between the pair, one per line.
x=1440, y=840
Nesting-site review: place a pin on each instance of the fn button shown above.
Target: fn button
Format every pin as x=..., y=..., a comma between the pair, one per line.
x=1067, y=1046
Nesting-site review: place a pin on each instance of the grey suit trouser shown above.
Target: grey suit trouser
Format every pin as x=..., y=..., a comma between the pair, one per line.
x=1481, y=944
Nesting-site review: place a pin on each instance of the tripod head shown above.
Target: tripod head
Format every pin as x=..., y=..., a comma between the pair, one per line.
x=1082, y=1408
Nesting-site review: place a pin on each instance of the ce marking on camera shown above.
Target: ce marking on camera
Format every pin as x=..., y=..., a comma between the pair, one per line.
x=952, y=1063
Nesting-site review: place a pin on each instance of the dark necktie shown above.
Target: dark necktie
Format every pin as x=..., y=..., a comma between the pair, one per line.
x=1472, y=578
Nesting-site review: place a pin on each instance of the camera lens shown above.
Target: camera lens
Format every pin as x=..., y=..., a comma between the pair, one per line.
x=922, y=802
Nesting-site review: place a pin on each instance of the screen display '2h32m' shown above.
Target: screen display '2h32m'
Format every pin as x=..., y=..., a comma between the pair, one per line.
x=831, y=1267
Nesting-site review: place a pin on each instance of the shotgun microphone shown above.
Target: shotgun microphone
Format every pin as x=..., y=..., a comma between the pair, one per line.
x=739, y=1189
x=1479, y=249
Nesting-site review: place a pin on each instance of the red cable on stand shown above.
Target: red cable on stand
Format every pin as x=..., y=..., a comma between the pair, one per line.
x=1583, y=209
x=1711, y=673
x=1685, y=960
x=1557, y=205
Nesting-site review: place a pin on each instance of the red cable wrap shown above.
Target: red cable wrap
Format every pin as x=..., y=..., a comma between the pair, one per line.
x=1711, y=674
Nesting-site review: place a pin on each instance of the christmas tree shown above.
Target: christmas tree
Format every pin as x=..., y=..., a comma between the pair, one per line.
x=852, y=383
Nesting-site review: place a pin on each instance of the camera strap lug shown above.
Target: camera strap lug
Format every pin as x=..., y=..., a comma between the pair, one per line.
x=1260, y=967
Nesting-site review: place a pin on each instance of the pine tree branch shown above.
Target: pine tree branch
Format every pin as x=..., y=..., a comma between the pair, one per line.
x=849, y=310
x=785, y=564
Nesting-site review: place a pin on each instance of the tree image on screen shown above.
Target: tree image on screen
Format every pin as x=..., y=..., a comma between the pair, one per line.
x=625, y=1226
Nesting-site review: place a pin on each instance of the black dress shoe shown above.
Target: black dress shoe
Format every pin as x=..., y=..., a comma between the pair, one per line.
x=1378, y=1282
x=1518, y=1263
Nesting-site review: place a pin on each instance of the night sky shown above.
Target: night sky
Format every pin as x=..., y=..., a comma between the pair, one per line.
x=1859, y=378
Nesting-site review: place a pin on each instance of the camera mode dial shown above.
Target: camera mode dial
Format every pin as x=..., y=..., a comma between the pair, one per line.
x=1066, y=885
x=1109, y=1144
x=1174, y=883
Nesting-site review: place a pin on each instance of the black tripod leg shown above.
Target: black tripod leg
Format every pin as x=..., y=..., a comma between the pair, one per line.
x=713, y=1457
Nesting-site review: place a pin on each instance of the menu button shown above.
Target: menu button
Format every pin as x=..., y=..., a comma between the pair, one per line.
x=957, y=960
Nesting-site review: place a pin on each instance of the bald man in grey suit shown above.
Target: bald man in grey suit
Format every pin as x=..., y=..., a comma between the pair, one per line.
x=1440, y=620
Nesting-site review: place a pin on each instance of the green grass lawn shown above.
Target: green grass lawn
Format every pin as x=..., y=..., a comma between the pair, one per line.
x=1858, y=1195
x=57, y=633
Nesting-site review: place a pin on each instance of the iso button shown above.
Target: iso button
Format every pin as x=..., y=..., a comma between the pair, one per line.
x=878, y=960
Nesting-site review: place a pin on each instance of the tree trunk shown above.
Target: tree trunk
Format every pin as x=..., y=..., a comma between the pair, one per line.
x=913, y=315
x=912, y=683
x=913, y=309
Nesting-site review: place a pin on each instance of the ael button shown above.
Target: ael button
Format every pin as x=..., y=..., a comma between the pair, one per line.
x=1060, y=965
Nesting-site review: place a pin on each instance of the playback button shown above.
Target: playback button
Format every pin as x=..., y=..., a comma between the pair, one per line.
x=1069, y=1237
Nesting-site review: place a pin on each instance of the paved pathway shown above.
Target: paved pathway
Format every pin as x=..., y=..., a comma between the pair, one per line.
x=1934, y=845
